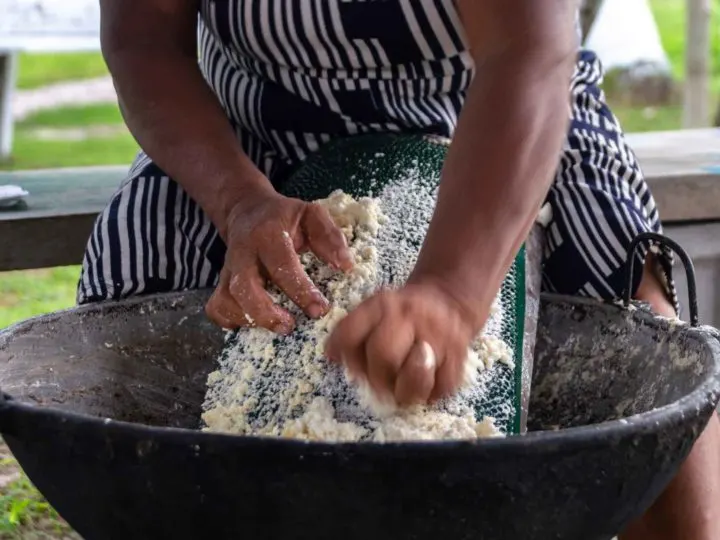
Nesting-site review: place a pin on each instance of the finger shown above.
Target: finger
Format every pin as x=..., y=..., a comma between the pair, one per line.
x=449, y=373
x=416, y=379
x=221, y=309
x=355, y=364
x=386, y=348
x=326, y=240
x=248, y=290
x=285, y=270
x=346, y=343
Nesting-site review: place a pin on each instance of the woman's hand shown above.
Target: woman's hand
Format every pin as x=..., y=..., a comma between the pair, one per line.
x=497, y=173
x=410, y=345
x=264, y=234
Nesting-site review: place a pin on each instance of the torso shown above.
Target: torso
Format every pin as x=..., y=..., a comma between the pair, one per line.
x=292, y=74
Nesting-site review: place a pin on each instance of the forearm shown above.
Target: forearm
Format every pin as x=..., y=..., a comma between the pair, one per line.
x=178, y=121
x=497, y=173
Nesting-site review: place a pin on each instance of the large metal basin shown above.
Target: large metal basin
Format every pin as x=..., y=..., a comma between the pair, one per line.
x=106, y=399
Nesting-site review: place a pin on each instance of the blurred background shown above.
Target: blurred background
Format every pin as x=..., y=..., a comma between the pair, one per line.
x=58, y=109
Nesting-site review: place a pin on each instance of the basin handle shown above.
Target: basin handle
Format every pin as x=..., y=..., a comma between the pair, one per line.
x=663, y=241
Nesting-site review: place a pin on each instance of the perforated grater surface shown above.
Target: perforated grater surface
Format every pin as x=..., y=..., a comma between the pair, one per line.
x=403, y=172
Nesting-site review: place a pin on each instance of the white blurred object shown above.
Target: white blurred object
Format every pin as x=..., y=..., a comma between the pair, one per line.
x=49, y=25
x=11, y=195
x=625, y=33
x=40, y=26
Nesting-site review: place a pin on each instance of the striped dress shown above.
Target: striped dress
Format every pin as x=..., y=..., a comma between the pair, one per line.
x=292, y=75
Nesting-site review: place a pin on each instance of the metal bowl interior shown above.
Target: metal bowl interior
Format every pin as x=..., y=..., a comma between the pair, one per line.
x=618, y=398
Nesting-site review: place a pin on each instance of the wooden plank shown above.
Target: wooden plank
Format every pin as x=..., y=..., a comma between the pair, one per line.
x=44, y=242
x=588, y=12
x=8, y=74
x=59, y=192
x=696, y=103
x=52, y=228
x=683, y=171
x=702, y=243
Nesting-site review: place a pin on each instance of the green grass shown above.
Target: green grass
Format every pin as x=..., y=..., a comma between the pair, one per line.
x=670, y=18
x=74, y=116
x=649, y=119
x=31, y=153
x=25, y=514
x=27, y=293
x=36, y=70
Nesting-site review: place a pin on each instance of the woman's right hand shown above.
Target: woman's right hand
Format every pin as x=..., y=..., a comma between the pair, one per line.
x=264, y=234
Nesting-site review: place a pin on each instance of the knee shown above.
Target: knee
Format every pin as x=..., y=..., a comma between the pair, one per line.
x=652, y=289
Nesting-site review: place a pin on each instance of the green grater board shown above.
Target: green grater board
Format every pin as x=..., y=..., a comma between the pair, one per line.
x=364, y=165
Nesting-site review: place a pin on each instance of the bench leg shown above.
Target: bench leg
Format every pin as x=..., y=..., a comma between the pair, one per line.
x=8, y=72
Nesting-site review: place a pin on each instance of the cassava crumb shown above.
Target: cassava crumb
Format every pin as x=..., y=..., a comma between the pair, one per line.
x=283, y=387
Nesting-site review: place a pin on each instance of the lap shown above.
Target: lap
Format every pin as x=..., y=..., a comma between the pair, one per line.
x=152, y=237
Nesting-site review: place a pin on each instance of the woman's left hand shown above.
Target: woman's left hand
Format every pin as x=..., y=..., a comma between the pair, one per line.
x=410, y=344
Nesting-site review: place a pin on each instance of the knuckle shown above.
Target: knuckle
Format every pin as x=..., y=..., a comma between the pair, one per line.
x=265, y=323
x=264, y=232
x=237, y=287
x=213, y=303
x=316, y=209
x=394, y=362
x=284, y=265
x=266, y=317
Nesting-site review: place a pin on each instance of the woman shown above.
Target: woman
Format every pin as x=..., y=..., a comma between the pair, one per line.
x=278, y=78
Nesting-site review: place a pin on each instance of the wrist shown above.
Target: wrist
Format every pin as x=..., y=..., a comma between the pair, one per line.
x=239, y=194
x=468, y=306
x=471, y=268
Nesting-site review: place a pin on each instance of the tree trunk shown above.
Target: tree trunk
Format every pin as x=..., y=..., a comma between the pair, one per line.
x=588, y=12
x=8, y=74
x=696, y=113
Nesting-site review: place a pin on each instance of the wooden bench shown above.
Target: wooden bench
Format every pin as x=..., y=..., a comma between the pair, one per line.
x=682, y=168
x=53, y=225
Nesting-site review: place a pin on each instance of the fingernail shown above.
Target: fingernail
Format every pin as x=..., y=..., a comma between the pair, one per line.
x=429, y=359
x=319, y=305
x=345, y=259
x=316, y=310
x=283, y=328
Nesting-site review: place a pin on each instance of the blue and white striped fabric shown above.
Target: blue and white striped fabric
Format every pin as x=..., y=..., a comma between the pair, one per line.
x=293, y=74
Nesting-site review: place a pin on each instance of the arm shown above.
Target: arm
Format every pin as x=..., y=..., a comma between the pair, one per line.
x=410, y=345
x=150, y=47
x=505, y=151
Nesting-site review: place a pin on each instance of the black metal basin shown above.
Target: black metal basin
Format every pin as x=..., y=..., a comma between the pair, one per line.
x=95, y=389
